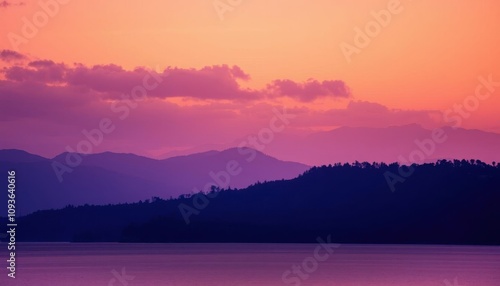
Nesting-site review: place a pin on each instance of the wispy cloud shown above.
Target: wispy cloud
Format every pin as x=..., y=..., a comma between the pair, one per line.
x=9, y=55
x=310, y=90
x=217, y=82
x=5, y=3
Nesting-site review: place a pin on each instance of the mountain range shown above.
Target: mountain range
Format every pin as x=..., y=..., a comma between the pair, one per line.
x=370, y=144
x=110, y=178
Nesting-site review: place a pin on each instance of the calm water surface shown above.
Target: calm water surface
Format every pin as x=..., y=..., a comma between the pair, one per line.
x=251, y=264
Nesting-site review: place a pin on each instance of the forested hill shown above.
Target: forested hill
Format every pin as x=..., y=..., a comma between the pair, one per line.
x=449, y=202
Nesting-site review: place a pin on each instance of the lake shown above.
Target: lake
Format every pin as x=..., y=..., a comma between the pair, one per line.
x=54, y=264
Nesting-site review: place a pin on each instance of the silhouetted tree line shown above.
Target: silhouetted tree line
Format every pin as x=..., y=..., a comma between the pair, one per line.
x=447, y=202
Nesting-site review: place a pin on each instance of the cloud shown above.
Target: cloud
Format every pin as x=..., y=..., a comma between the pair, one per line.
x=5, y=4
x=310, y=90
x=215, y=82
x=212, y=82
x=371, y=114
x=9, y=55
x=77, y=94
x=21, y=100
x=218, y=82
x=37, y=71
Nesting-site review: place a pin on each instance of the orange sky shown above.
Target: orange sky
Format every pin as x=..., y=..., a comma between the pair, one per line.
x=428, y=57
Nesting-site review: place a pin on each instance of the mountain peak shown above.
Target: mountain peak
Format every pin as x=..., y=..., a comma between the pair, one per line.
x=16, y=155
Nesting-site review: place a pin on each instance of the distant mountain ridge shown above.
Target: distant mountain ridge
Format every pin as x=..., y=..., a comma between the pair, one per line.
x=349, y=144
x=108, y=177
x=15, y=155
x=374, y=144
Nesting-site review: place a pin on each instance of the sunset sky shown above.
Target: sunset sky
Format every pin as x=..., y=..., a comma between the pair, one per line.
x=223, y=72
